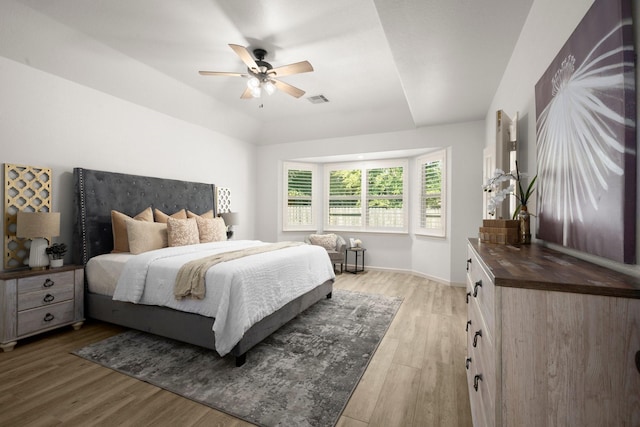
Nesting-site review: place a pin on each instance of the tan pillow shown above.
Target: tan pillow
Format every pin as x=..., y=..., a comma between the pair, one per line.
x=327, y=241
x=208, y=214
x=181, y=232
x=211, y=229
x=119, y=228
x=146, y=236
x=160, y=216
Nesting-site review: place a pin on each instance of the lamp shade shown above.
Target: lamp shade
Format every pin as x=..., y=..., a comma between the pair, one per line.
x=230, y=218
x=38, y=224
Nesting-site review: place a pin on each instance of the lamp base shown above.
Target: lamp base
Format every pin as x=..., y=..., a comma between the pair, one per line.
x=38, y=258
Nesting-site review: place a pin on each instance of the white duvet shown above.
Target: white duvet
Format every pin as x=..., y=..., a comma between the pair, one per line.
x=239, y=293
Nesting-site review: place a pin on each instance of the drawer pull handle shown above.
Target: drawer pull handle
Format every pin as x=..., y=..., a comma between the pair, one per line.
x=468, y=295
x=468, y=262
x=475, y=337
x=48, y=317
x=48, y=283
x=468, y=324
x=476, y=380
x=48, y=298
x=467, y=363
x=475, y=288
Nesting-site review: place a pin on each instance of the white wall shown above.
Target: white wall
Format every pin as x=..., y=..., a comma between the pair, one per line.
x=442, y=259
x=51, y=122
x=548, y=26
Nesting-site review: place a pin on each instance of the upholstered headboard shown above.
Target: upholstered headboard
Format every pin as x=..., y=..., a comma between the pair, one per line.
x=98, y=192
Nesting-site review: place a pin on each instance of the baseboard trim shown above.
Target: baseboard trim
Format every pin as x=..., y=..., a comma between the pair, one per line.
x=414, y=273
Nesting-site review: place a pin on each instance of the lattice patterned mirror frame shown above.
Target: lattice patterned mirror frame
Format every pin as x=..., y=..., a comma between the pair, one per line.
x=26, y=188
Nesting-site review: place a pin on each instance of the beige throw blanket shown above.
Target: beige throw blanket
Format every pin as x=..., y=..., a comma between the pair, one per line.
x=190, y=279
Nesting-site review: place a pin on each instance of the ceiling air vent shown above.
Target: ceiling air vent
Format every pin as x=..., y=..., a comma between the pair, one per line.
x=318, y=99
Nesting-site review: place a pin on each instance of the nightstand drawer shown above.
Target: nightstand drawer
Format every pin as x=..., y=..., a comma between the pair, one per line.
x=39, y=319
x=45, y=281
x=54, y=295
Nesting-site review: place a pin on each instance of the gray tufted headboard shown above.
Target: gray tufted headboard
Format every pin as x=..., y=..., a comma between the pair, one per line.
x=98, y=192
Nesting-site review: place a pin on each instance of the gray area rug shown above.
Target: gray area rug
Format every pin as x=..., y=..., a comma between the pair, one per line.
x=302, y=375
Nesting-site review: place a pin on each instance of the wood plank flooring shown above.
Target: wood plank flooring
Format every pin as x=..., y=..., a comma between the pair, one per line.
x=416, y=377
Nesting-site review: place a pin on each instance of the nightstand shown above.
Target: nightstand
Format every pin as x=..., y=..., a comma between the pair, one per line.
x=32, y=302
x=358, y=253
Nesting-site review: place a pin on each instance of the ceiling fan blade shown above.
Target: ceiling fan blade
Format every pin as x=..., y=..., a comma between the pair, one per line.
x=221, y=73
x=244, y=54
x=297, y=68
x=287, y=88
x=246, y=94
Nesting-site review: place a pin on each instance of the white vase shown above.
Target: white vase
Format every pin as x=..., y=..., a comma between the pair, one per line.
x=56, y=263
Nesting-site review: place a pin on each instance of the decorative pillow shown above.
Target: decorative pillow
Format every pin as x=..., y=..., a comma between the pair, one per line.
x=208, y=214
x=119, y=228
x=211, y=229
x=181, y=232
x=327, y=241
x=146, y=236
x=160, y=216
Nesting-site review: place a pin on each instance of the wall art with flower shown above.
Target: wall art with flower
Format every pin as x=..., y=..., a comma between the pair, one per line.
x=586, y=137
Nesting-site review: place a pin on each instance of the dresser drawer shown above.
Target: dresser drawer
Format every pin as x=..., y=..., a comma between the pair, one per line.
x=53, y=295
x=40, y=319
x=481, y=288
x=45, y=281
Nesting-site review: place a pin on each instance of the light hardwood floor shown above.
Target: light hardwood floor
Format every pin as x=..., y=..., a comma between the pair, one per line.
x=416, y=377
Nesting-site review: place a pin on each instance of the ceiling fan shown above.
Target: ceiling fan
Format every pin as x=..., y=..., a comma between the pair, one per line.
x=262, y=76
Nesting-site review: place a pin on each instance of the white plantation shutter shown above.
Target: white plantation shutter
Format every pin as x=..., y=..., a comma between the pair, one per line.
x=299, y=204
x=432, y=194
x=368, y=196
x=385, y=198
x=345, y=194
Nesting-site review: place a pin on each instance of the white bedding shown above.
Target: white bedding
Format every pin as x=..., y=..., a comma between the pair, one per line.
x=239, y=293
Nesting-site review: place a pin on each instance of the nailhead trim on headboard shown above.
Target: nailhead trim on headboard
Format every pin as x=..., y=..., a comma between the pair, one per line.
x=99, y=192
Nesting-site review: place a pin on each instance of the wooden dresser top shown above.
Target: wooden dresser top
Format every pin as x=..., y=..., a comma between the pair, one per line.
x=537, y=267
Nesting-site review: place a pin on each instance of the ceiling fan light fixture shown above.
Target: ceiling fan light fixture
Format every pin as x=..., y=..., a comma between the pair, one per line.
x=269, y=87
x=253, y=82
x=256, y=92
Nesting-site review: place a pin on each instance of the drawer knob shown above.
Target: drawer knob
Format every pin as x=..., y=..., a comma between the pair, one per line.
x=48, y=317
x=475, y=337
x=468, y=295
x=475, y=288
x=48, y=298
x=468, y=262
x=48, y=283
x=468, y=324
x=467, y=363
x=476, y=380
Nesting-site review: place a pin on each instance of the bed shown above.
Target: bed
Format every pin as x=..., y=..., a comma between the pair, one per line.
x=96, y=194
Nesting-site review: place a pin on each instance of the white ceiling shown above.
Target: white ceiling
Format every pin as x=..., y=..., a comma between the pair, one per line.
x=384, y=65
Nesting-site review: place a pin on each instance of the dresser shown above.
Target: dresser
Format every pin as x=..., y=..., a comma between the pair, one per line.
x=32, y=302
x=551, y=340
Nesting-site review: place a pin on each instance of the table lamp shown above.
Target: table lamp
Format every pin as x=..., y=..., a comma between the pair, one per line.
x=38, y=226
x=230, y=219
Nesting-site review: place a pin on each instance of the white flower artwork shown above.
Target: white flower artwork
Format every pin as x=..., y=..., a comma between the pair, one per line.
x=586, y=142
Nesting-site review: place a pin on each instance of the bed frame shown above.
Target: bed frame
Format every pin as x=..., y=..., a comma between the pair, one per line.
x=96, y=194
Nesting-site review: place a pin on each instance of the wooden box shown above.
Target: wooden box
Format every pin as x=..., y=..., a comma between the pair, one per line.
x=500, y=231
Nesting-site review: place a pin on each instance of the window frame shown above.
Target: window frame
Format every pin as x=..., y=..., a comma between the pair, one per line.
x=364, y=167
x=441, y=231
x=313, y=168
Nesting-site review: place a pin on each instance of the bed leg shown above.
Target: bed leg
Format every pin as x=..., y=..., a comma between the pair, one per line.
x=240, y=360
x=329, y=295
